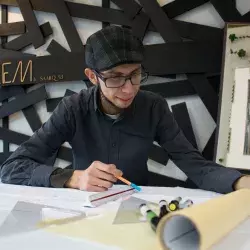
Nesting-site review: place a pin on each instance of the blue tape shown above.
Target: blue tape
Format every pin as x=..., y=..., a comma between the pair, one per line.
x=135, y=187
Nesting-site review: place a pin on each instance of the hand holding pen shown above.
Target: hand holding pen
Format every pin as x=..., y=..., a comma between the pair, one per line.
x=97, y=177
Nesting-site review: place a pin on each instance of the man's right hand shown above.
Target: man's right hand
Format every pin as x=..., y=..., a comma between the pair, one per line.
x=96, y=178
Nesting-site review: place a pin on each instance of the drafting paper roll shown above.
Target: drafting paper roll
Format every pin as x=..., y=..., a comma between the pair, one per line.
x=202, y=225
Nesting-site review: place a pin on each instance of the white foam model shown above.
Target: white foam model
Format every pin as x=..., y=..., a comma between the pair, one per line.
x=236, y=157
x=232, y=109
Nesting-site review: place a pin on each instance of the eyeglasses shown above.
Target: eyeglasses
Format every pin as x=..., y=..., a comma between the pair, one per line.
x=118, y=81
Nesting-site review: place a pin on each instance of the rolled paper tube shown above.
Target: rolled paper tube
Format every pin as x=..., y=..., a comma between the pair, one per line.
x=203, y=225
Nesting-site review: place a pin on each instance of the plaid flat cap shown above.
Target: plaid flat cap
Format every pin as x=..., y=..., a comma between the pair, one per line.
x=112, y=46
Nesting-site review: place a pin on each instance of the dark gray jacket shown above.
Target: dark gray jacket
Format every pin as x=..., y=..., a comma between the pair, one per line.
x=124, y=142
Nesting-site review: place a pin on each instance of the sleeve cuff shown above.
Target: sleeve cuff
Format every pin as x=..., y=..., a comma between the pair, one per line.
x=41, y=176
x=237, y=180
x=59, y=177
x=232, y=180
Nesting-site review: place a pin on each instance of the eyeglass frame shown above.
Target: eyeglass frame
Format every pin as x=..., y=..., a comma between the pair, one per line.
x=104, y=79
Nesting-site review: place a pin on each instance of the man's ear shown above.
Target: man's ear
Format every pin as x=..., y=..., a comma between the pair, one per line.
x=91, y=75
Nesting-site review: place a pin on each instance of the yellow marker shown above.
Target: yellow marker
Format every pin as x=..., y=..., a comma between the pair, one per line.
x=174, y=204
x=172, y=207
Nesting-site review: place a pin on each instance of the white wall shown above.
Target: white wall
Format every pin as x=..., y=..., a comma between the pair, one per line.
x=202, y=122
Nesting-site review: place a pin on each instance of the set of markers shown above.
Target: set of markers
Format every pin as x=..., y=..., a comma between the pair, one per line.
x=165, y=208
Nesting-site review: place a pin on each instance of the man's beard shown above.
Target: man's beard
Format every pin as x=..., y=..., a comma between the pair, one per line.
x=107, y=106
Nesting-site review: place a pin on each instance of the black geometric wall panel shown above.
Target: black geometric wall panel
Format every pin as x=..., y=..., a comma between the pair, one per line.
x=5, y=53
x=18, y=138
x=208, y=151
x=179, y=7
x=196, y=32
x=23, y=101
x=53, y=102
x=8, y=29
x=4, y=22
x=33, y=28
x=171, y=89
x=158, y=154
x=60, y=9
x=227, y=10
x=4, y=156
x=8, y=92
x=25, y=40
x=183, y=57
x=4, y=38
x=55, y=48
x=130, y=7
x=161, y=21
x=105, y=4
x=140, y=24
x=32, y=118
x=206, y=93
x=181, y=115
x=188, y=48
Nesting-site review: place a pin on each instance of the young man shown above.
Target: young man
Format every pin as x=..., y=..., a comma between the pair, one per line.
x=111, y=128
